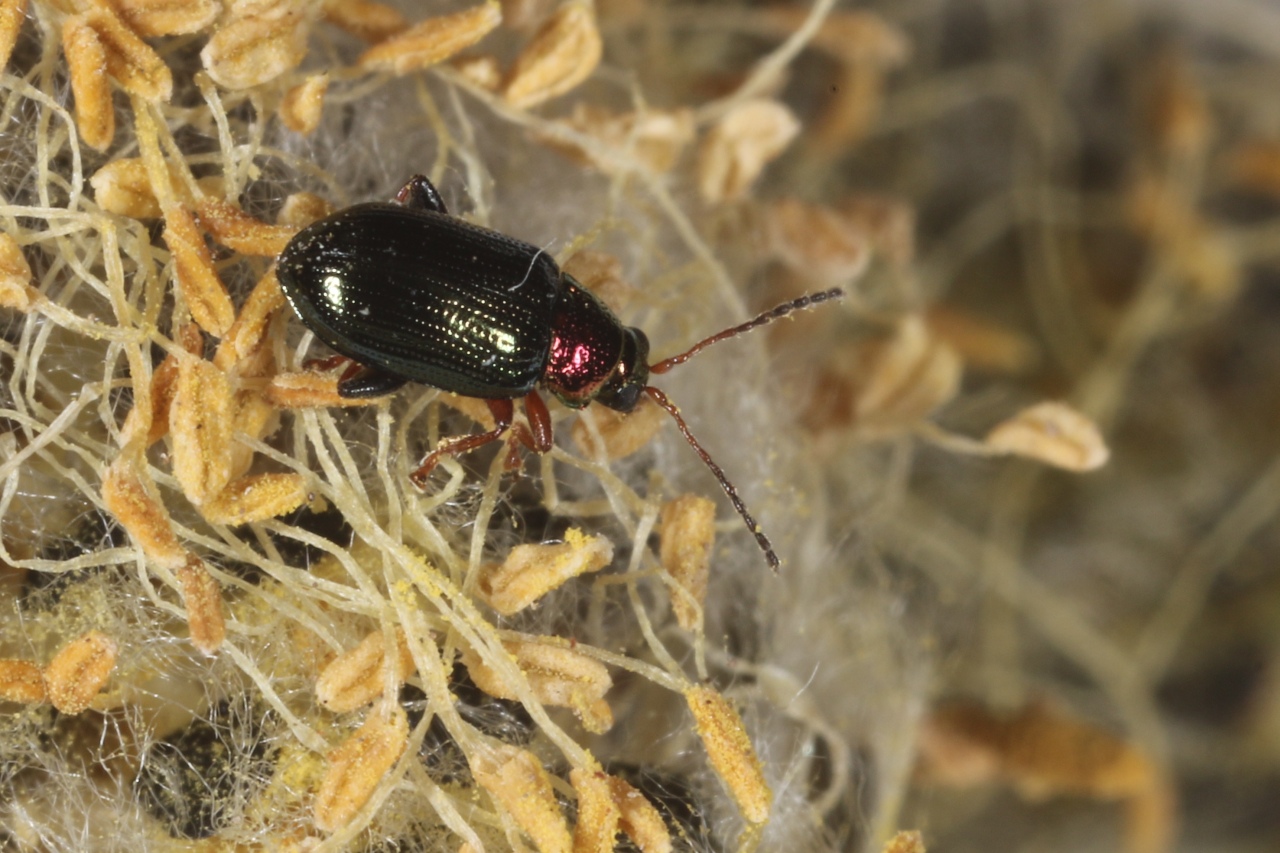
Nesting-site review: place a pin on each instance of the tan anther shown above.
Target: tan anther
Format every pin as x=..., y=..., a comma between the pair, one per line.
x=130, y=61
x=164, y=383
x=598, y=814
x=484, y=71
x=817, y=241
x=257, y=418
x=79, y=671
x=198, y=281
x=563, y=53
x=517, y=781
x=203, y=599
x=739, y=146
x=981, y=342
x=90, y=85
x=653, y=138
x=303, y=105
x=309, y=390
x=907, y=841
x=433, y=41
x=1053, y=433
x=258, y=44
x=200, y=422
x=641, y=822
x=12, y=14
x=618, y=434
x=256, y=498
x=124, y=187
x=365, y=19
x=557, y=675
x=601, y=273
x=16, y=291
x=21, y=681
x=688, y=532
x=357, y=676
x=235, y=229
x=301, y=209
x=1177, y=110
x=730, y=751
x=126, y=496
x=358, y=766
x=244, y=347
x=531, y=571
x=151, y=18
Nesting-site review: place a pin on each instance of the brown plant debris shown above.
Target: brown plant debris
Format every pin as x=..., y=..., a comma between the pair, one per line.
x=433, y=41
x=90, y=85
x=739, y=146
x=21, y=681
x=560, y=56
x=358, y=765
x=79, y=671
x=1053, y=433
x=557, y=675
x=365, y=19
x=357, y=677
x=617, y=435
x=257, y=42
x=303, y=105
x=16, y=291
x=531, y=571
x=688, y=532
x=198, y=281
x=517, y=782
x=730, y=751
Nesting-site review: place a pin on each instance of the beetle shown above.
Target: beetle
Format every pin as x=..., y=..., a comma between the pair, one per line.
x=409, y=293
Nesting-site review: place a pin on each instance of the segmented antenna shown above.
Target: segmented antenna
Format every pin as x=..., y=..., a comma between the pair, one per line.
x=661, y=399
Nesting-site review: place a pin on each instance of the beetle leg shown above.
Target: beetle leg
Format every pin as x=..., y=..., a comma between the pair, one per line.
x=361, y=382
x=503, y=412
x=535, y=411
x=420, y=194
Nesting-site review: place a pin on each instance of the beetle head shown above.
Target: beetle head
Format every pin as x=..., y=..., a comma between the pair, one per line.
x=624, y=387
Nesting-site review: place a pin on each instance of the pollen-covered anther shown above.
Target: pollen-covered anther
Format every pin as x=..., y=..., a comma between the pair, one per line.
x=817, y=241
x=90, y=83
x=1053, y=433
x=557, y=675
x=151, y=18
x=203, y=599
x=617, y=434
x=598, y=814
x=730, y=751
x=560, y=56
x=739, y=146
x=201, y=424
x=688, y=532
x=12, y=14
x=308, y=390
x=21, y=681
x=517, y=781
x=358, y=676
x=128, y=498
x=652, y=138
x=531, y=571
x=258, y=43
x=303, y=105
x=130, y=61
x=123, y=187
x=16, y=291
x=79, y=671
x=201, y=288
x=365, y=19
x=358, y=766
x=256, y=498
x=237, y=230
x=433, y=41
x=300, y=209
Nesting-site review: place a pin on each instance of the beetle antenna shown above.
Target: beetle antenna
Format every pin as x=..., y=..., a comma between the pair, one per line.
x=806, y=301
x=763, y=541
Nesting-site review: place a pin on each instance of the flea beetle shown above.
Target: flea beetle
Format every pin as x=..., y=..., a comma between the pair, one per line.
x=409, y=293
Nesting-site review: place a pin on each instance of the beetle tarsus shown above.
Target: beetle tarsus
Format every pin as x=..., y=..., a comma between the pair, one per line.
x=503, y=412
